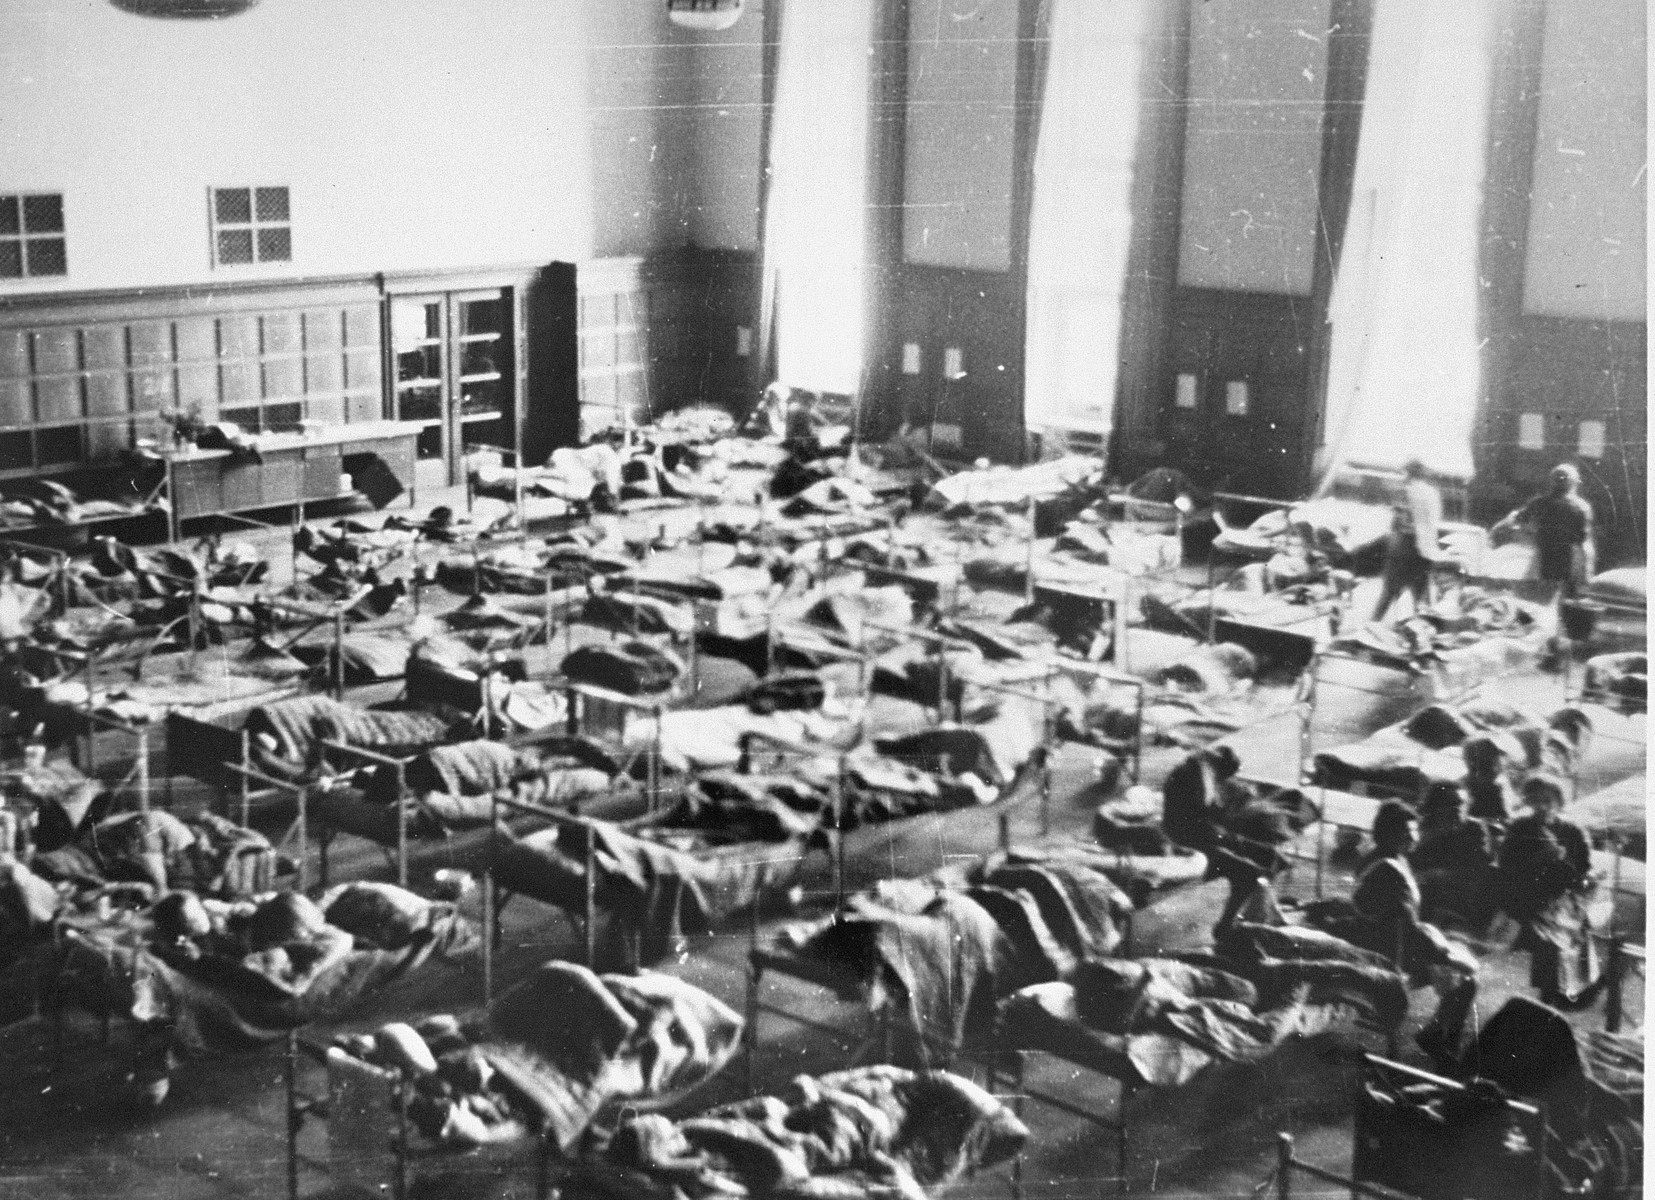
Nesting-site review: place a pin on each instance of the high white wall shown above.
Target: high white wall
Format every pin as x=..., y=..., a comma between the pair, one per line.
x=675, y=126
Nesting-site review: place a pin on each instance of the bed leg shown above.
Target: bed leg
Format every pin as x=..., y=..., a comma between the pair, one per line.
x=1019, y=1070
x=543, y=1169
x=402, y=1136
x=1616, y=971
x=491, y=922
x=755, y=975
x=1121, y=1139
x=290, y=1070
x=1284, y=1166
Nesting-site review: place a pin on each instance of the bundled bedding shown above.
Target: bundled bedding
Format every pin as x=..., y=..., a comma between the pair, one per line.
x=287, y=736
x=447, y=789
x=548, y=1055
x=1429, y=746
x=204, y=853
x=869, y=1133
x=939, y=952
x=201, y=974
x=1465, y=639
x=658, y=880
x=1160, y=1021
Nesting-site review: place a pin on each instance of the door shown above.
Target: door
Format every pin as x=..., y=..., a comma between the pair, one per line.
x=419, y=349
x=454, y=376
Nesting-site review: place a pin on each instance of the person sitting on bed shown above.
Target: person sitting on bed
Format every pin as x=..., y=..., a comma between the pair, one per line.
x=1387, y=902
x=1490, y=793
x=1195, y=801
x=1454, y=861
x=1544, y=874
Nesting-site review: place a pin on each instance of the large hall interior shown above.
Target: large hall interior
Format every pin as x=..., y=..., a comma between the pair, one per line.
x=857, y=599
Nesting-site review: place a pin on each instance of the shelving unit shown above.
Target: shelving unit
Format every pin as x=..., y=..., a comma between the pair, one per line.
x=454, y=358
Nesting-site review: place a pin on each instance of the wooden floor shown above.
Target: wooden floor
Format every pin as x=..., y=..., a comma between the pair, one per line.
x=75, y=1132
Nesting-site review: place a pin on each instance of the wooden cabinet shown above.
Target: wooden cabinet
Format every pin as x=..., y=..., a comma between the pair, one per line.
x=456, y=367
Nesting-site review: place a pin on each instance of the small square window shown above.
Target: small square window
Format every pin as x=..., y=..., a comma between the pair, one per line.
x=272, y=204
x=276, y=245
x=235, y=245
x=46, y=256
x=232, y=206
x=43, y=214
x=31, y=236
x=251, y=225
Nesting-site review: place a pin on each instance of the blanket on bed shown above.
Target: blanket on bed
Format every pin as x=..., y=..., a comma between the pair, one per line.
x=287, y=735
x=217, y=994
x=870, y=1133
x=552, y=1051
x=661, y=892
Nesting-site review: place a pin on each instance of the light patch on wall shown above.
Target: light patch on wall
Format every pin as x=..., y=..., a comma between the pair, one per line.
x=946, y=437
x=910, y=358
x=953, y=363
x=1591, y=439
x=1236, y=400
x=744, y=341
x=1185, y=396
x=1531, y=431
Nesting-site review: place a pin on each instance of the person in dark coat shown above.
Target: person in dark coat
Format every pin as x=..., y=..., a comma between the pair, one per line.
x=1490, y=794
x=1195, y=801
x=1454, y=860
x=1544, y=875
x=1561, y=521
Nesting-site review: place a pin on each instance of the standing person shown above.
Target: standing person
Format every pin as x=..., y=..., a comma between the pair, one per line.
x=1561, y=521
x=1411, y=548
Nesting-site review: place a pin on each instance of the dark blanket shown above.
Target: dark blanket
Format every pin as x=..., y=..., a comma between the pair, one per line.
x=863, y=1134
x=661, y=892
x=206, y=854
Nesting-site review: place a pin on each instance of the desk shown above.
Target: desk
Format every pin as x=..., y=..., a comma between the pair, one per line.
x=292, y=469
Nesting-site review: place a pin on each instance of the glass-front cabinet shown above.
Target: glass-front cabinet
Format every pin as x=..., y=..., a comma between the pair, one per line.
x=454, y=372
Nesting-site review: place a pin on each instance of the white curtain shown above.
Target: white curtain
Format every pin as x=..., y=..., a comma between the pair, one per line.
x=816, y=212
x=1080, y=223
x=1403, y=368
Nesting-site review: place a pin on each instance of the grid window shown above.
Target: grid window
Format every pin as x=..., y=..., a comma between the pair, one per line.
x=251, y=225
x=31, y=236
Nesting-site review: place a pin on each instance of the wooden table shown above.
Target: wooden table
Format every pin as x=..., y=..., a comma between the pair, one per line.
x=291, y=470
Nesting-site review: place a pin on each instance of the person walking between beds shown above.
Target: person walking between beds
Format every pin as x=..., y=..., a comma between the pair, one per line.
x=1411, y=550
x=1561, y=520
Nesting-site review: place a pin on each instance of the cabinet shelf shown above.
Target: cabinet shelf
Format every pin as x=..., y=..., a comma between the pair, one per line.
x=467, y=339
x=407, y=384
x=481, y=377
x=477, y=418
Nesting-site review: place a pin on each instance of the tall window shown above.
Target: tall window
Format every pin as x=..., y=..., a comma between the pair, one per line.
x=1080, y=225
x=31, y=236
x=816, y=213
x=251, y=225
x=1403, y=367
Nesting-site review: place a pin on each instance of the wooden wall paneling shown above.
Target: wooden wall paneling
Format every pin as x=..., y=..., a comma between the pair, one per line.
x=150, y=343
x=106, y=394
x=14, y=353
x=16, y=403
x=57, y=399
